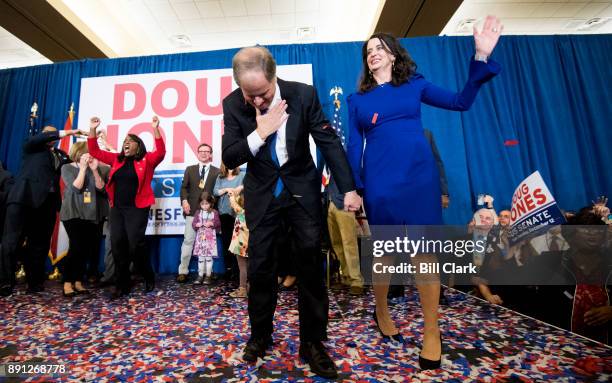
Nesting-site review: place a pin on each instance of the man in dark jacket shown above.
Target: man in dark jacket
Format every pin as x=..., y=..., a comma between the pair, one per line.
x=31, y=210
x=268, y=122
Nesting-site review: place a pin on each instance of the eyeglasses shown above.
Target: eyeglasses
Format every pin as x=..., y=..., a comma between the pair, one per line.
x=204, y=151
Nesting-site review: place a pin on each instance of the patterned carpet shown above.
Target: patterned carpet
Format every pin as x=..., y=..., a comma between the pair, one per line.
x=186, y=333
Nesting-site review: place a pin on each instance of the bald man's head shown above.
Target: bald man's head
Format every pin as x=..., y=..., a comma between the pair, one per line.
x=253, y=59
x=47, y=129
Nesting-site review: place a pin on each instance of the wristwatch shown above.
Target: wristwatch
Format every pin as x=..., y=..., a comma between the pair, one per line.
x=482, y=58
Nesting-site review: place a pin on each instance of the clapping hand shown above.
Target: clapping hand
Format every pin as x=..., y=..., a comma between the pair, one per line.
x=600, y=208
x=84, y=161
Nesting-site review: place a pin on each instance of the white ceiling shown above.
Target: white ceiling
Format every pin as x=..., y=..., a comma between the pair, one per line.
x=534, y=17
x=15, y=53
x=137, y=27
x=143, y=27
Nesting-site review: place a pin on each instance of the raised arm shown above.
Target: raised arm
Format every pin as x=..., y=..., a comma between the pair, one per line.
x=157, y=155
x=92, y=144
x=482, y=69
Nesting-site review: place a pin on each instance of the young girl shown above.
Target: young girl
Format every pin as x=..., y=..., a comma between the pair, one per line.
x=207, y=225
x=239, y=244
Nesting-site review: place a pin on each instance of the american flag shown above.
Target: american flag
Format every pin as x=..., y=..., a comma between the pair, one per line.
x=337, y=126
x=59, y=239
x=337, y=120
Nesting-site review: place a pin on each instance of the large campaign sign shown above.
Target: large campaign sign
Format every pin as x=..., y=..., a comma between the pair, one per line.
x=533, y=210
x=190, y=110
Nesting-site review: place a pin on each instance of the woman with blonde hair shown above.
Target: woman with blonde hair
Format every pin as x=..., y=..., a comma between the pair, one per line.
x=228, y=182
x=84, y=208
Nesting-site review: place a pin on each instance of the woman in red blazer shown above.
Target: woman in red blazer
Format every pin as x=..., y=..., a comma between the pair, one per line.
x=130, y=196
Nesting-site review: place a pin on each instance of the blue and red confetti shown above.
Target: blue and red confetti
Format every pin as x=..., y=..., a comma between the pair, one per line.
x=186, y=333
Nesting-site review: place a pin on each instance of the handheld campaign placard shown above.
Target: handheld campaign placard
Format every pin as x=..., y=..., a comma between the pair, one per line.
x=533, y=210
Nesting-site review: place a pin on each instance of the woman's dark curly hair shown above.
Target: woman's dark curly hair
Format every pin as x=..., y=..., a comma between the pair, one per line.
x=403, y=68
x=140, y=153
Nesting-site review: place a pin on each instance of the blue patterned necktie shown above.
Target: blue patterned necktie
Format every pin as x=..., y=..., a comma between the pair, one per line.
x=272, y=142
x=279, y=183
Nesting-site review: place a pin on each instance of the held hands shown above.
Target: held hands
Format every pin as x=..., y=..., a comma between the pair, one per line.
x=352, y=201
x=270, y=122
x=486, y=39
x=75, y=132
x=598, y=316
x=186, y=207
x=231, y=192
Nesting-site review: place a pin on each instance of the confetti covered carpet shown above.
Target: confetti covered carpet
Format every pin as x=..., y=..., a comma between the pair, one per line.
x=186, y=333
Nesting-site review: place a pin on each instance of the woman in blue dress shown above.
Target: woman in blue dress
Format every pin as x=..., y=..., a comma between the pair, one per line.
x=396, y=171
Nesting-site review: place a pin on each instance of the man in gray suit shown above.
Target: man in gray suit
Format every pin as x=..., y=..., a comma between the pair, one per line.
x=197, y=178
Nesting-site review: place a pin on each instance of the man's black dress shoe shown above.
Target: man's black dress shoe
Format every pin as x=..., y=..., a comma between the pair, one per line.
x=149, y=286
x=6, y=290
x=36, y=288
x=117, y=293
x=256, y=348
x=316, y=356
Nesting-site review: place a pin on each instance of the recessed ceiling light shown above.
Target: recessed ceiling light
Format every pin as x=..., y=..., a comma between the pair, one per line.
x=466, y=25
x=305, y=33
x=594, y=23
x=181, y=41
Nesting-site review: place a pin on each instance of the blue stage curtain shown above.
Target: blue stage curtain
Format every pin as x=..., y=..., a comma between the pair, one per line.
x=552, y=97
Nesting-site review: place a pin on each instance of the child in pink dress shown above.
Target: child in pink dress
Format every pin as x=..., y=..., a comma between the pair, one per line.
x=207, y=225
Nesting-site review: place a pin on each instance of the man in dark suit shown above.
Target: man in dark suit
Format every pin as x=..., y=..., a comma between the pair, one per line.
x=267, y=125
x=197, y=178
x=443, y=181
x=6, y=183
x=32, y=205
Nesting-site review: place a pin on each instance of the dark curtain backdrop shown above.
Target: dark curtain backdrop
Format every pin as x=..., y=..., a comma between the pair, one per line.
x=548, y=110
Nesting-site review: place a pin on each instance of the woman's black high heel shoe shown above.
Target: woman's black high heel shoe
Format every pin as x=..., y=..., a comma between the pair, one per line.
x=397, y=337
x=428, y=364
